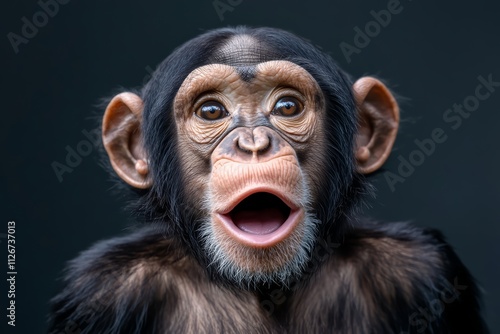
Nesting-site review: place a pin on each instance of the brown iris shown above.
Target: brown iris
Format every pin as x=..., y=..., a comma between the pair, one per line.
x=287, y=106
x=211, y=111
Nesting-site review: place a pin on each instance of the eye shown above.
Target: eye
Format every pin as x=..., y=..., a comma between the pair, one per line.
x=211, y=111
x=287, y=106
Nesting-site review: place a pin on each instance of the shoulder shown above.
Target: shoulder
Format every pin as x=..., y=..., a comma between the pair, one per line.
x=116, y=282
x=126, y=262
x=416, y=271
x=145, y=246
x=399, y=278
x=400, y=250
x=146, y=283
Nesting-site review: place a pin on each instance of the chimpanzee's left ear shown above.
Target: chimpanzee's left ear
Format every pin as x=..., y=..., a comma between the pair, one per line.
x=378, y=123
x=121, y=134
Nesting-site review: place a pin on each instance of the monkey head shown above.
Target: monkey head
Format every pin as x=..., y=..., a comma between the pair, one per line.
x=250, y=148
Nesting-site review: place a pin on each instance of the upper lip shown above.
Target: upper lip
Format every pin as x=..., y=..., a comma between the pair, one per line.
x=237, y=199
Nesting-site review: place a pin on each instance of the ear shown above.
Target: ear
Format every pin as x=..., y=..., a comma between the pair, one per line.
x=121, y=134
x=378, y=123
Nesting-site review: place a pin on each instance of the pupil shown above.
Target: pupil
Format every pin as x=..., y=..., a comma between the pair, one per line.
x=211, y=109
x=287, y=106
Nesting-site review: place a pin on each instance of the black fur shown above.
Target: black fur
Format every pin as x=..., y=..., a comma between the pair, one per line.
x=443, y=296
x=154, y=280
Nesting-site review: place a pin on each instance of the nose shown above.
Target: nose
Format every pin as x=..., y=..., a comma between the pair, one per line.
x=255, y=141
x=252, y=145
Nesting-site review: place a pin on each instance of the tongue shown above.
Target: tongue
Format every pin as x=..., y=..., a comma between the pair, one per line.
x=258, y=222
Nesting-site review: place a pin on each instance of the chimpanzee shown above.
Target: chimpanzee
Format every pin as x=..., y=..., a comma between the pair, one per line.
x=246, y=155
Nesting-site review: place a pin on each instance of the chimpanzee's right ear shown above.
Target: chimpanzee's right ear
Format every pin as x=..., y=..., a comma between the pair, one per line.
x=121, y=135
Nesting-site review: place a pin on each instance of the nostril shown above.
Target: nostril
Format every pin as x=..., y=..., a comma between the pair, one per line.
x=262, y=144
x=242, y=146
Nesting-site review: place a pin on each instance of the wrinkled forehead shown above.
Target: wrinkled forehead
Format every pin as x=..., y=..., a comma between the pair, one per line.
x=266, y=75
x=243, y=53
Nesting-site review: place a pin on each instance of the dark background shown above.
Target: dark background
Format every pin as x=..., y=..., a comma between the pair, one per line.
x=431, y=53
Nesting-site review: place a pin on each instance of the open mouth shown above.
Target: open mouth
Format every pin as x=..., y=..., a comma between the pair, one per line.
x=260, y=213
x=261, y=219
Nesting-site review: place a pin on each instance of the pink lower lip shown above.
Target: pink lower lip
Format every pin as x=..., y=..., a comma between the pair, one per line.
x=261, y=240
